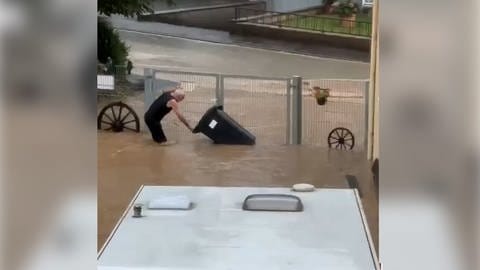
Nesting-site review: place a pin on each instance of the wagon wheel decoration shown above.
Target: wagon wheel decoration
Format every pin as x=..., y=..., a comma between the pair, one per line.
x=341, y=138
x=117, y=117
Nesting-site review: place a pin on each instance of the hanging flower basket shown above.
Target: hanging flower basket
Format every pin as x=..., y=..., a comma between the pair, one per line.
x=320, y=94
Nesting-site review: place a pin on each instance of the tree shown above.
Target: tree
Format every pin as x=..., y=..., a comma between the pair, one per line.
x=108, y=40
x=109, y=44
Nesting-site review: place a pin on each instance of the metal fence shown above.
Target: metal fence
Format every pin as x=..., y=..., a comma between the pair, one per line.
x=346, y=107
x=323, y=24
x=267, y=107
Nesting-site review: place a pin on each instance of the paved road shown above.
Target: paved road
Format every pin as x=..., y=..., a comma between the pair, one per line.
x=157, y=51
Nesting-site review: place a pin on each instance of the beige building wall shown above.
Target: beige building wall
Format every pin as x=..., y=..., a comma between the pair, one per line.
x=374, y=93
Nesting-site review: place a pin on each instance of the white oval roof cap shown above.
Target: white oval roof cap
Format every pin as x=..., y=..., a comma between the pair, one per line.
x=303, y=187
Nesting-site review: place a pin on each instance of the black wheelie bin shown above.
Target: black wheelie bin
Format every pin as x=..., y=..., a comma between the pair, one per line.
x=222, y=129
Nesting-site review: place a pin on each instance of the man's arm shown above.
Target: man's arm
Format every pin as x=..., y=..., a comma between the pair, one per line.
x=175, y=108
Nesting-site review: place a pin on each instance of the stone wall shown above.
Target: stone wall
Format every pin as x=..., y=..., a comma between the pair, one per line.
x=219, y=17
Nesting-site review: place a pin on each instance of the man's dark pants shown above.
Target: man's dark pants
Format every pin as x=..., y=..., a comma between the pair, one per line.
x=156, y=129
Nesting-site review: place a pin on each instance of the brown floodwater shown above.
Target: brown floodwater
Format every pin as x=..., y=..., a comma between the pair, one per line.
x=128, y=160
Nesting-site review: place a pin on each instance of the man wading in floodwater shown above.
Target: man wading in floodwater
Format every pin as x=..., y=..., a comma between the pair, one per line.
x=160, y=107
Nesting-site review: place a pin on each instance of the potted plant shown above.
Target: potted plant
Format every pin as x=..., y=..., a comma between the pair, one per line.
x=320, y=94
x=348, y=12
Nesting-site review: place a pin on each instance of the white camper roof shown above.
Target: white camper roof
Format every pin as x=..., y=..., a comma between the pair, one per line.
x=216, y=234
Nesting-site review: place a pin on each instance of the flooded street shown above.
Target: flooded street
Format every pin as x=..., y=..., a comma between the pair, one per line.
x=128, y=160
x=189, y=34
x=162, y=52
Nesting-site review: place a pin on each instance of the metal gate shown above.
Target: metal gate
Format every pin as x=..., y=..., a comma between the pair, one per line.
x=201, y=92
x=259, y=104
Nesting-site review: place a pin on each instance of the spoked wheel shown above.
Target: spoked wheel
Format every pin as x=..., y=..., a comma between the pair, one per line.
x=341, y=138
x=117, y=117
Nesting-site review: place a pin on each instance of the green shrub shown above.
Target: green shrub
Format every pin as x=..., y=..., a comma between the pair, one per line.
x=109, y=44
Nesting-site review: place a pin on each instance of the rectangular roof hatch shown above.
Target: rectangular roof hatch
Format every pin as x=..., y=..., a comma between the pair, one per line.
x=273, y=202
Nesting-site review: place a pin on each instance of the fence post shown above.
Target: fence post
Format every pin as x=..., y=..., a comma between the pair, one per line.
x=366, y=97
x=148, y=87
x=219, y=90
x=289, y=112
x=297, y=110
